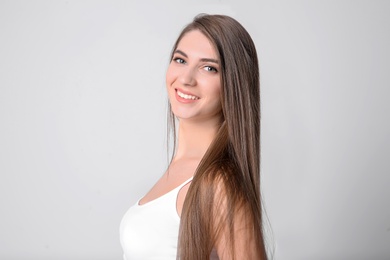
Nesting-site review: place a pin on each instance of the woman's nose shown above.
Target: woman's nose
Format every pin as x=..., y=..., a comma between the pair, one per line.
x=188, y=77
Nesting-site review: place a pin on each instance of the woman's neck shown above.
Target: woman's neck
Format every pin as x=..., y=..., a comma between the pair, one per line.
x=194, y=138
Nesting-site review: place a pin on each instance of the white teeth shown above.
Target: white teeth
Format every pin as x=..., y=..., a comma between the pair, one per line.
x=185, y=96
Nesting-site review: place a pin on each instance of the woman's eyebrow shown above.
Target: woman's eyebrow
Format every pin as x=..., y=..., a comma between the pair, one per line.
x=209, y=60
x=181, y=52
x=203, y=59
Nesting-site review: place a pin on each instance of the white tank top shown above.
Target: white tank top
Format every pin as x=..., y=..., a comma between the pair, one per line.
x=150, y=231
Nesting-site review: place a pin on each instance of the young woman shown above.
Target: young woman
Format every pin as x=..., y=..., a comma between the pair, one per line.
x=207, y=204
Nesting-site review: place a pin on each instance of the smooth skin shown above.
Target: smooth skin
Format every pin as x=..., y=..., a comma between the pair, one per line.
x=193, y=71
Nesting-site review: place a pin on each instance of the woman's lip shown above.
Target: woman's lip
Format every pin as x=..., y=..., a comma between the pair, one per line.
x=186, y=92
x=184, y=100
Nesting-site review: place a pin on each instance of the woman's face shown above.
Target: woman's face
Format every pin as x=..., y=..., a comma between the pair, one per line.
x=193, y=79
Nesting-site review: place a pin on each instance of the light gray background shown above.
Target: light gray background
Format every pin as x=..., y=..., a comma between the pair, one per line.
x=82, y=121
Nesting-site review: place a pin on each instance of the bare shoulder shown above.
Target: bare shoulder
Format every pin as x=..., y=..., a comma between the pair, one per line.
x=223, y=215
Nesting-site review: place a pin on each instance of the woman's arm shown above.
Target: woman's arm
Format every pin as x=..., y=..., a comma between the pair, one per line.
x=244, y=244
x=238, y=236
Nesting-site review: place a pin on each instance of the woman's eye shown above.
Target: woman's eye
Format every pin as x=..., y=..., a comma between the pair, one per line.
x=179, y=60
x=211, y=69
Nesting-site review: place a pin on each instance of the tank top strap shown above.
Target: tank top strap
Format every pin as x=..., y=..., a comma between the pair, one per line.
x=184, y=183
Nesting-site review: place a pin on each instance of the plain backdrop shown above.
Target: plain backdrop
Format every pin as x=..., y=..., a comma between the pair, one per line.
x=83, y=122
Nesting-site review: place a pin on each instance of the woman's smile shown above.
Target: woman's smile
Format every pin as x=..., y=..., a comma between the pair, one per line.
x=185, y=97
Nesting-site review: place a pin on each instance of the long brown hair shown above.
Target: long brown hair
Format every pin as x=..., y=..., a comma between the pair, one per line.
x=227, y=181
